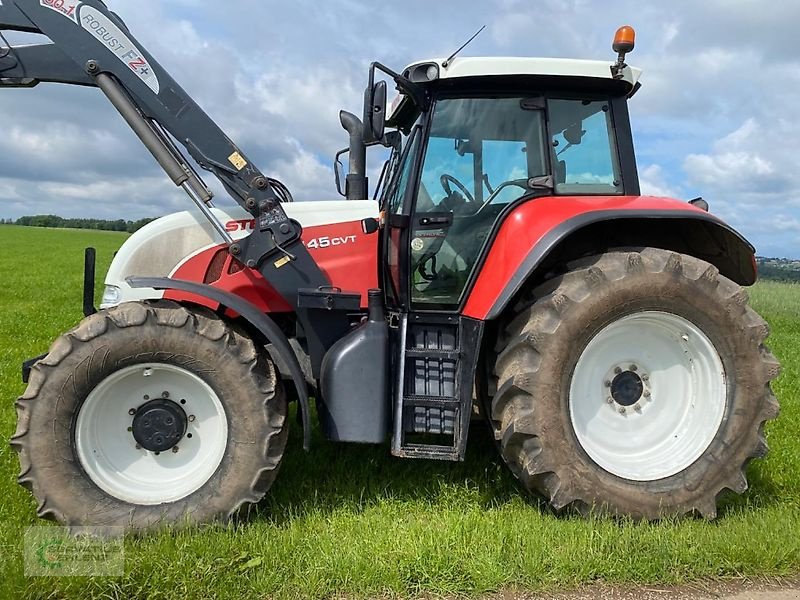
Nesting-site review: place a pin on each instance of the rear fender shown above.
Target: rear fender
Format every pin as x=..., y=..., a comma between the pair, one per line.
x=508, y=266
x=257, y=319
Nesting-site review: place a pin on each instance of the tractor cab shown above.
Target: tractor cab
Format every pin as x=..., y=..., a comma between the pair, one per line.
x=482, y=134
x=473, y=140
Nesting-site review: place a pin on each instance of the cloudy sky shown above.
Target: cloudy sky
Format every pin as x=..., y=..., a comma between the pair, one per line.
x=717, y=115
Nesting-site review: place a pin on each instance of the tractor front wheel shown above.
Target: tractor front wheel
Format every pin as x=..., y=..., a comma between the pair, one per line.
x=150, y=414
x=635, y=384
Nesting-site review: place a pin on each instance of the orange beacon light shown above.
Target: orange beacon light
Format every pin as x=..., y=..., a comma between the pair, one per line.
x=624, y=40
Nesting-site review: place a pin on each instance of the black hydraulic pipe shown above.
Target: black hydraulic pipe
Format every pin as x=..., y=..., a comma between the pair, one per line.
x=356, y=186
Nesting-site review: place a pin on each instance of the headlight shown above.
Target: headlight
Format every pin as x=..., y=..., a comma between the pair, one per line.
x=423, y=73
x=111, y=296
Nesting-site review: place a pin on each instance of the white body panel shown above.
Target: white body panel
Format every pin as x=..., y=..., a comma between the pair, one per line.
x=158, y=249
x=515, y=65
x=499, y=66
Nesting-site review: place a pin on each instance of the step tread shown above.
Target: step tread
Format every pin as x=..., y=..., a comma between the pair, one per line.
x=432, y=353
x=436, y=401
x=429, y=451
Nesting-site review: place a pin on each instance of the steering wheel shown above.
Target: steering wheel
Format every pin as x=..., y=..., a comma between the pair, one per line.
x=446, y=180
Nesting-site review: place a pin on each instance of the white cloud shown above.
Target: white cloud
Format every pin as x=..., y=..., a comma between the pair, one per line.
x=715, y=116
x=310, y=178
x=653, y=183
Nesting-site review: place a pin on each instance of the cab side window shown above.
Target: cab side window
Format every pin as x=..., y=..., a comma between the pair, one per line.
x=584, y=155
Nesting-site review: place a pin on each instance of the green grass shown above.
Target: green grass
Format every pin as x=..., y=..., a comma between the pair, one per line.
x=352, y=521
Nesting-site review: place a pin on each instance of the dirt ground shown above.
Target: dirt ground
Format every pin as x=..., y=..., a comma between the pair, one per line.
x=747, y=590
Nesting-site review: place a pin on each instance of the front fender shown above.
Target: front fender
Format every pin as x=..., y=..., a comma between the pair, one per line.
x=537, y=234
x=262, y=322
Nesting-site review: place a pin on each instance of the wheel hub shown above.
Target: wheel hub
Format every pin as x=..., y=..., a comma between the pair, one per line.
x=647, y=396
x=159, y=425
x=627, y=388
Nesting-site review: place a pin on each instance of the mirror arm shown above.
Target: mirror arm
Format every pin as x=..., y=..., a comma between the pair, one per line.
x=414, y=91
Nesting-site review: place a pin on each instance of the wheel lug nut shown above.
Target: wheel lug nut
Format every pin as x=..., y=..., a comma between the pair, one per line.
x=645, y=378
x=132, y=411
x=610, y=400
x=174, y=449
x=138, y=446
x=165, y=394
x=618, y=370
x=647, y=394
x=634, y=368
x=637, y=408
x=192, y=418
x=622, y=410
x=147, y=372
x=146, y=397
x=608, y=384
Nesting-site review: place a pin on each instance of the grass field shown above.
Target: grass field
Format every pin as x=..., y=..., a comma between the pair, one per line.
x=352, y=521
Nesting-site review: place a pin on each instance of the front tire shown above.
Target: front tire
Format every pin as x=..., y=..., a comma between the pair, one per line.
x=150, y=414
x=635, y=384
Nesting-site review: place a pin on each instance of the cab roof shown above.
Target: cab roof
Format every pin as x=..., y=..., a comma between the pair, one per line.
x=596, y=73
x=483, y=66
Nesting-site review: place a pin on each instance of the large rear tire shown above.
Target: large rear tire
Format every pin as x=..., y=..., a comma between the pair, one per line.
x=150, y=414
x=635, y=384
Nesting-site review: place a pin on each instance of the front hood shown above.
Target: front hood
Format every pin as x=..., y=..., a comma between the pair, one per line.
x=159, y=248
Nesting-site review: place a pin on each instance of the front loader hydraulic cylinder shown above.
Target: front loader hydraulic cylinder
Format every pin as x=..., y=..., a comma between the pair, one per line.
x=119, y=98
x=180, y=175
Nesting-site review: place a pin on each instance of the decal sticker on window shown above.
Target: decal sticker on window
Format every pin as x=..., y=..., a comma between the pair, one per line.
x=68, y=9
x=108, y=34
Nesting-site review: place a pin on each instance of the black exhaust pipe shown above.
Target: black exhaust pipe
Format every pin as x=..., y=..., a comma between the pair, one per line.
x=357, y=184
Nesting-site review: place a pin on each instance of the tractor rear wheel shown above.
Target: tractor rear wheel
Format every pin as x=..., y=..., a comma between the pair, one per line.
x=635, y=384
x=150, y=414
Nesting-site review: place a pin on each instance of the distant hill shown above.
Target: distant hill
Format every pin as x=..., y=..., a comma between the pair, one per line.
x=779, y=269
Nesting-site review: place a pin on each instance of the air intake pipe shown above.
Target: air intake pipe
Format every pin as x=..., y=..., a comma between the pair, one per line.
x=356, y=186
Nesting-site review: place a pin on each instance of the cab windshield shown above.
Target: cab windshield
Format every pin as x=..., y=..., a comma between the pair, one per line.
x=484, y=153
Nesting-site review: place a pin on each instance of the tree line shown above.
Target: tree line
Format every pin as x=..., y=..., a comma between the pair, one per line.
x=779, y=270
x=57, y=222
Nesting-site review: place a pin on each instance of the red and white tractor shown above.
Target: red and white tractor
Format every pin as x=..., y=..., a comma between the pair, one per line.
x=509, y=267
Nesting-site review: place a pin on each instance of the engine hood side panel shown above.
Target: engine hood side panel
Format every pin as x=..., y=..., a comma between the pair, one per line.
x=185, y=246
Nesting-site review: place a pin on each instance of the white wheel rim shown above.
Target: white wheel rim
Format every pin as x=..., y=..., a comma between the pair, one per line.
x=681, y=407
x=108, y=451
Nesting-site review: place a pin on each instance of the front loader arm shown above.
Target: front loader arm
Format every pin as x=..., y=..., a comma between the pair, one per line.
x=93, y=47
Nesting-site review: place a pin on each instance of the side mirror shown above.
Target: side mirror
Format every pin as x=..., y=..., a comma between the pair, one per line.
x=338, y=169
x=375, y=113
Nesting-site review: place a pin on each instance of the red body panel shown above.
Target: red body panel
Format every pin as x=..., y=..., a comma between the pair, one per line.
x=530, y=222
x=344, y=253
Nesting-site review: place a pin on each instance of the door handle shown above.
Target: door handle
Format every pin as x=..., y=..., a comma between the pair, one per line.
x=444, y=220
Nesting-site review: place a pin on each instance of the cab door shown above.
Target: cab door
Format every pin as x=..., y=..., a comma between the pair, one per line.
x=396, y=209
